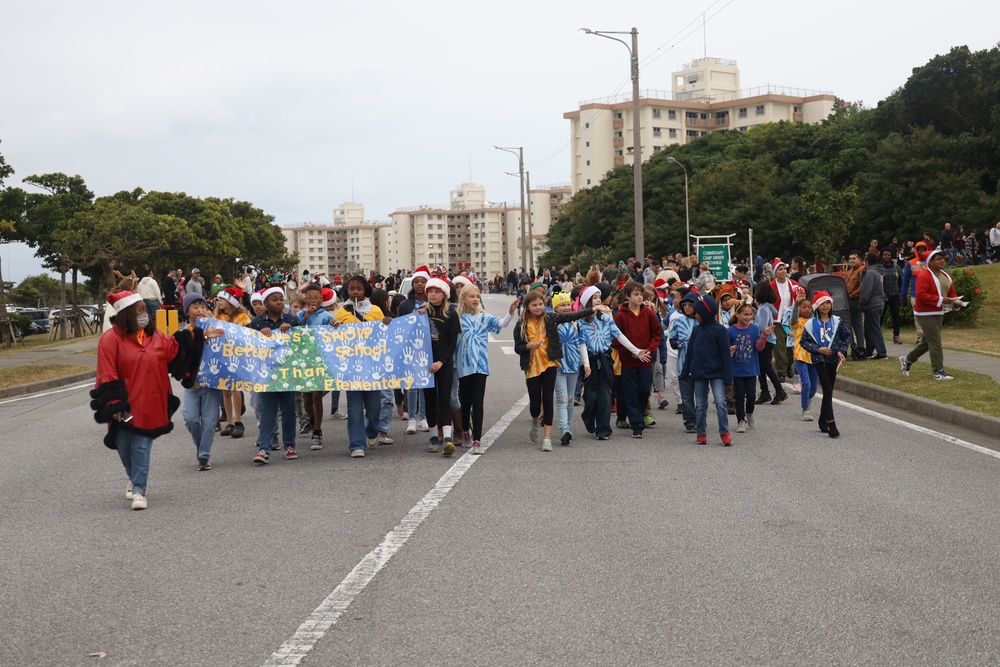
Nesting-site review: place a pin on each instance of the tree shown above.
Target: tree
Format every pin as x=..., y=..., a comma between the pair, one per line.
x=10, y=208
x=41, y=291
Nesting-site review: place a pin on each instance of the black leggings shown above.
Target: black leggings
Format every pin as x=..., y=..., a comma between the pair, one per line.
x=540, y=390
x=827, y=378
x=767, y=369
x=438, y=397
x=471, y=390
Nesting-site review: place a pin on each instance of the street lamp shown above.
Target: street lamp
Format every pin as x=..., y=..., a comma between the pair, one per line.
x=519, y=152
x=636, y=136
x=687, y=210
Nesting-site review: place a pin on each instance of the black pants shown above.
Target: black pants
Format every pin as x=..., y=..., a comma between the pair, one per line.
x=540, y=391
x=745, y=395
x=438, y=397
x=767, y=369
x=471, y=390
x=827, y=378
x=857, y=327
x=893, y=307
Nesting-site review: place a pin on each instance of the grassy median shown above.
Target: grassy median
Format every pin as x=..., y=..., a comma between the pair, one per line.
x=20, y=375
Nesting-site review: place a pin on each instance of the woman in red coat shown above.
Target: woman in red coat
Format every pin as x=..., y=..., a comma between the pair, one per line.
x=935, y=290
x=132, y=393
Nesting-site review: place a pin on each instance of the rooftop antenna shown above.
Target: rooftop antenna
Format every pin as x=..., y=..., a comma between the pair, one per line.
x=704, y=32
x=352, y=190
x=470, y=169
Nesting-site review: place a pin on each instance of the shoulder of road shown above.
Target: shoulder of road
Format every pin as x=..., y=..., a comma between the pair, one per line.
x=82, y=353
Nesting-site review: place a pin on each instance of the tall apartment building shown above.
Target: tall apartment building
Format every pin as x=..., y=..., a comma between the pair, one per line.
x=349, y=245
x=705, y=97
x=544, y=204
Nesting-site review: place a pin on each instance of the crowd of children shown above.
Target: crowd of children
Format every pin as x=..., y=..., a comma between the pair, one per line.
x=624, y=350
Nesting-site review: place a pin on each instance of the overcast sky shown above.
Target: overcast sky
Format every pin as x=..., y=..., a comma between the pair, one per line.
x=291, y=105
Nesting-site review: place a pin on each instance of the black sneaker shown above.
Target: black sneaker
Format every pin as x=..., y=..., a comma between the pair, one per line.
x=941, y=375
x=779, y=399
x=203, y=464
x=621, y=423
x=238, y=430
x=566, y=437
x=228, y=430
x=637, y=433
x=305, y=425
x=765, y=397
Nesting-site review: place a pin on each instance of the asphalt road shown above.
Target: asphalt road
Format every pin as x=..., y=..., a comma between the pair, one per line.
x=787, y=549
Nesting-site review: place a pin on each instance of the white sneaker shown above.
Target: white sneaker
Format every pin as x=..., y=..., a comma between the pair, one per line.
x=546, y=445
x=316, y=442
x=422, y=426
x=796, y=388
x=741, y=427
x=411, y=427
x=807, y=416
x=357, y=453
x=372, y=442
x=384, y=439
x=128, y=492
x=338, y=415
x=139, y=502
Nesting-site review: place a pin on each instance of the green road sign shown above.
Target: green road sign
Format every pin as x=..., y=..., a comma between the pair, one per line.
x=717, y=258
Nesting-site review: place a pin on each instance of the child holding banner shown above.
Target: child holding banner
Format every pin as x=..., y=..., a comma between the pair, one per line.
x=444, y=328
x=416, y=406
x=270, y=402
x=473, y=359
x=314, y=315
x=364, y=408
x=229, y=308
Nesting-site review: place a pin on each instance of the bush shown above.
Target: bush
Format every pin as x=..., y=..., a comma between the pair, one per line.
x=20, y=322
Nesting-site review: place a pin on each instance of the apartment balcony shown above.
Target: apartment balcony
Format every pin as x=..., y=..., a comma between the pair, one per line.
x=619, y=160
x=722, y=121
x=618, y=123
x=618, y=142
x=797, y=117
x=696, y=122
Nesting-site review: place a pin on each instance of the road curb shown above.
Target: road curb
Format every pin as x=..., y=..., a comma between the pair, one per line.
x=20, y=390
x=951, y=414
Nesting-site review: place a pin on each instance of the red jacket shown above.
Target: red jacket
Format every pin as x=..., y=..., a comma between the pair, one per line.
x=929, y=300
x=643, y=330
x=143, y=369
x=794, y=289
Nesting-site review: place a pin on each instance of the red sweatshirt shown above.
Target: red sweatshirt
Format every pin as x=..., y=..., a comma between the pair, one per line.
x=643, y=330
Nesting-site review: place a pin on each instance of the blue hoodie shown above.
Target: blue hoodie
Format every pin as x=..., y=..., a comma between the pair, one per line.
x=708, y=355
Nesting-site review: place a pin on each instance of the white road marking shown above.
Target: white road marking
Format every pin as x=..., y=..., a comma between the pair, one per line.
x=507, y=349
x=48, y=393
x=333, y=607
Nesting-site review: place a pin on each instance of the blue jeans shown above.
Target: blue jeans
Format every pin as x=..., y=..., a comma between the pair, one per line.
x=201, y=411
x=636, y=385
x=134, y=451
x=686, y=388
x=270, y=402
x=388, y=405
x=363, y=411
x=810, y=382
x=565, y=386
x=415, y=405
x=701, y=404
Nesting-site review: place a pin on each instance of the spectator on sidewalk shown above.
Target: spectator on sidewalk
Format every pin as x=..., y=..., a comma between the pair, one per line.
x=149, y=290
x=852, y=276
x=872, y=303
x=994, y=239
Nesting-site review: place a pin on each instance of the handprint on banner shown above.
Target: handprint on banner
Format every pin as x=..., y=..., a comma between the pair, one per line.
x=389, y=364
x=407, y=355
x=422, y=359
x=215, y=344
x=213, y=367
x=359, y=365
x=344, y=363
x=422, y=381
x=418, y=340
x=329, y=346
x=398, y=337
x=411, y=319
x=377, y=375
x=250, y=365
x=233, y=365
x=262, y=372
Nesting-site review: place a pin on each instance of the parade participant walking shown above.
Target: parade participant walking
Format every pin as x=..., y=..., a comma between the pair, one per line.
x=270, y=402
x=132, y=392
x=314, y=315
x=767, y=317
x=201, y=404
x=745, y=341
x=568, y=376
x=416, y=405
x=229, y=308
x=709, y=365
x=642, y=327
x=473, y=361
x=364, y=408
x=785, y=290
x=679, y=330
x=444, y=328
x=804, y=368
x=149, y=290
x=826, y=338
x=935, y=295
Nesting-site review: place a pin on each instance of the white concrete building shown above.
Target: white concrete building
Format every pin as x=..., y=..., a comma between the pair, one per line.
x=705, y=97
x=349, y=245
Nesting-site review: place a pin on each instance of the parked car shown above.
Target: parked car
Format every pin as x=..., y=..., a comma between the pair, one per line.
x=89, y=314
x=39, y=320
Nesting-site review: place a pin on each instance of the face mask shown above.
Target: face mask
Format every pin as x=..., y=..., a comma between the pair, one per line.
x=142, y=320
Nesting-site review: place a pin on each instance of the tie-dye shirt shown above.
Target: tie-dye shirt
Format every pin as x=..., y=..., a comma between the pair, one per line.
x=598, y=333
x=569, y=334
x=473, y=343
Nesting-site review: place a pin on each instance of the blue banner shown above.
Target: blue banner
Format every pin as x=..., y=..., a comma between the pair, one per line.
x=369, y=356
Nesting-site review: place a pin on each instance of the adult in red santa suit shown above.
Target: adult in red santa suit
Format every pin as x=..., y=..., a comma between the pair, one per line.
x=132, y=393
x=786, y=290
x=935, y=290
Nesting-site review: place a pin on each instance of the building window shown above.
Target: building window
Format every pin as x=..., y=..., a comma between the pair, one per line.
x=671, y=114
x=657, y=113
x=672, y=133
x=618, y=135
x=588, y=144
x=586, y=125
x=797, y=109
x=743, y=112
x=588, y=163
x=657, y=149
x=657, y=132
x=760, y=110
x=618, y=116
x=588, y=181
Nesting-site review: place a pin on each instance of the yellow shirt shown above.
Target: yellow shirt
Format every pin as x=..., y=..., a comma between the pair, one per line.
x=242, y=319
x=345, y=317
x=799, y=353
x=539, y=361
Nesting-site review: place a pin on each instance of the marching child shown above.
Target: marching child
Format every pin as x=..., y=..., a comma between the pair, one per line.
x=314, y=315
x=445, y=328
x=642, y=327
x=536, y=340
x=708, y=364
x=826, y=338
x=568, y=374
x=473, y=360
x=679, y=333
x=745, y=341
x=229, y=308
x=201, y=404
x=804, y=369
x=767, y=315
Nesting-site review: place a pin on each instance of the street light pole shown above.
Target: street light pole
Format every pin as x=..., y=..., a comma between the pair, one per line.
x=687, y=210
x=520, y=171
x=636, y=131
x=531, y=229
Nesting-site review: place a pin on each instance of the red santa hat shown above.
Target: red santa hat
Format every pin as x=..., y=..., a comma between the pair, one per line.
x=257, y=297
x=821, y=297
x=122, y=300
x=421, y=272
x=272, y=290
x=587, y=295
x=439, y=284
x=329, y=297
x=461, y=280
x=661, y=286
x=232, y=295
x=776, y=263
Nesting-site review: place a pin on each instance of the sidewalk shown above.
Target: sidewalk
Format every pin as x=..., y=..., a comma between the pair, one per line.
x=79, y=353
